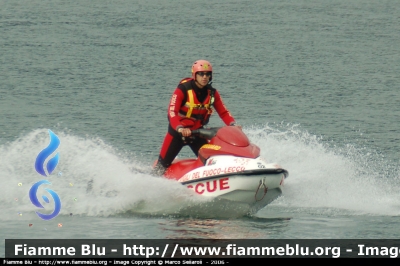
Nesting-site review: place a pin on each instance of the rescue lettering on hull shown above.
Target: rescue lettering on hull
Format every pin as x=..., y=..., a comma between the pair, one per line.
x=215, y=171
x=211, y=186
x=242, y=161
x=221, y=171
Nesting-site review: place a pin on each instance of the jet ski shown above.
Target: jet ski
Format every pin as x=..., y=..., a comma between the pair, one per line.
x=229, y=168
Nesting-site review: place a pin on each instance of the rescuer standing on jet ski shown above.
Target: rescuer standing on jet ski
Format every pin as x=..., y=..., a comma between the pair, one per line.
x=190, y=108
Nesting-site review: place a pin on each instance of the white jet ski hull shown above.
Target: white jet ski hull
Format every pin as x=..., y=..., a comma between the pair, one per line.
x=245, y=181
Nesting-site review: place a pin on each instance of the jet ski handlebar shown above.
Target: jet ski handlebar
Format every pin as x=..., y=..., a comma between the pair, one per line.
x=205, y=133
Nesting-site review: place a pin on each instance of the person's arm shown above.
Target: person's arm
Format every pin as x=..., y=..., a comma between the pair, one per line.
x=222, y=111
x=173, y=109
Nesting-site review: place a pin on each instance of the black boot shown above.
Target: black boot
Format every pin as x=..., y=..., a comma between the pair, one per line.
x=158, y=169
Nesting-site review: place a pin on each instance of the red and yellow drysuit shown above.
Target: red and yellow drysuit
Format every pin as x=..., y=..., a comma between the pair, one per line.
x=190, y=107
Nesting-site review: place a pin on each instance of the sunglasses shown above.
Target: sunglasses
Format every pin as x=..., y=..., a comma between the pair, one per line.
x=202, y=74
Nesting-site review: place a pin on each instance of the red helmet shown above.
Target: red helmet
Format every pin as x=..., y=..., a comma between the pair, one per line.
x=201, y=66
